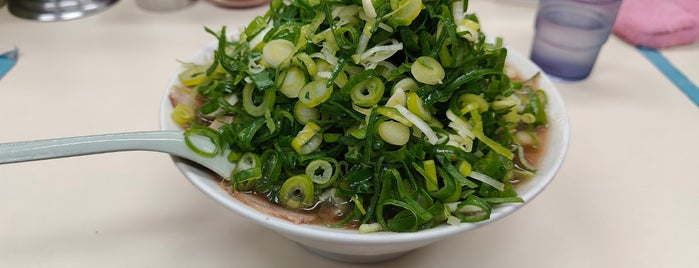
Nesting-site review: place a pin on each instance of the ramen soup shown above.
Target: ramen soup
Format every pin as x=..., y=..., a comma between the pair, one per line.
x=395, y=116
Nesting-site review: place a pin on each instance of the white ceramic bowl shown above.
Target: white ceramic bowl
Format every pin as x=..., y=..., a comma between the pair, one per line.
x=351, y=246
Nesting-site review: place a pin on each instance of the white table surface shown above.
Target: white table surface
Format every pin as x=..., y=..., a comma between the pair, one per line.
x=627, y=194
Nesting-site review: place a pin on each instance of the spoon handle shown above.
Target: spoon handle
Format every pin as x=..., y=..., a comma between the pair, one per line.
x=171, y=142
x=75, y=146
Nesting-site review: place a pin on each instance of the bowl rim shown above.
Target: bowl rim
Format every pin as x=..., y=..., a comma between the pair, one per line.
x=553, y=157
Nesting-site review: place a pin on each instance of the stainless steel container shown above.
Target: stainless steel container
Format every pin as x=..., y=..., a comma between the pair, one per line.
x=56, y=10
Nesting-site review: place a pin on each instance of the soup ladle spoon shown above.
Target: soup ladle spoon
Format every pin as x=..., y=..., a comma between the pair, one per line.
x=171, y=142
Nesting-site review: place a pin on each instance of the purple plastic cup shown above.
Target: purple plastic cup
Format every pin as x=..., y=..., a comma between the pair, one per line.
x=569, y=35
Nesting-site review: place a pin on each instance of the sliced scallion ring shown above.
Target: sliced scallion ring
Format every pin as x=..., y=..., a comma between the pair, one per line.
x=417, y=106
x=473, y=209
x=322, y=171
x=406, y=84
x=183, y=114
x=404, y=11
x=397, y=98
x=305, y=114
x=464, y=167
x=314, y=93
x=308, y=139
x=203, y=140
x=193, y=75
x=368, y=92
x=469, y=102
x=394, y=133
x=304, y=60
x=277, y=51
x=248, y=169
x=291, y=81
x=257, y=110
x=427, y=70
x=297, y=192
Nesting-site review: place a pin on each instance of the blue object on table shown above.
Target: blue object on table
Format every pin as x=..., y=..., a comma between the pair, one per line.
x=7, y=61
x=672, y=73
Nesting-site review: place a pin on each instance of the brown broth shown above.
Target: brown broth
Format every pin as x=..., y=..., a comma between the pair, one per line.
x=532, y=154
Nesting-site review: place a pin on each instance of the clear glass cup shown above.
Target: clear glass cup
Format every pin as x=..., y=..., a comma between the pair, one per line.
x=569, y=35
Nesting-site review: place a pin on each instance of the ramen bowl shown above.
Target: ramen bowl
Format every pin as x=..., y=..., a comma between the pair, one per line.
x=351, y=246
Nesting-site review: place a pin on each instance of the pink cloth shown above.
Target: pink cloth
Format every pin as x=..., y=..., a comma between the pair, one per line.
x=658, y=23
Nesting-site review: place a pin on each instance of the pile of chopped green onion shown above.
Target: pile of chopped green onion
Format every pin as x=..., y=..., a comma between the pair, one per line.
x=398, y=111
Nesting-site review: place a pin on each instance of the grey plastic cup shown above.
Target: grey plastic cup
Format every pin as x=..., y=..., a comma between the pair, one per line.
x=569, y=35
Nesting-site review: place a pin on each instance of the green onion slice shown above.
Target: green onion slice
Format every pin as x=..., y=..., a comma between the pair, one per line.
x=473, y=209
x=203, y=141
x=308, y=139
x=367, y=93
x=248, y=169
x=323, y=171
x=257, y=110
x=314, y=93
x=297, y=192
